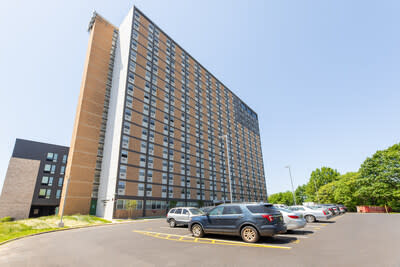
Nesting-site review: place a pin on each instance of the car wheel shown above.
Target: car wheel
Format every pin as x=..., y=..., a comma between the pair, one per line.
x=249, y=234
x=172, y=223
x=310, y=218
x=197, y=230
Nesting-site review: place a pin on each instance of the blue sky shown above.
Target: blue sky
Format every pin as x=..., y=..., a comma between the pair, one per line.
x=323, y=76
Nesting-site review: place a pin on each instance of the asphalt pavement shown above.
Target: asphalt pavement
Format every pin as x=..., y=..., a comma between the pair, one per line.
x=346, y=240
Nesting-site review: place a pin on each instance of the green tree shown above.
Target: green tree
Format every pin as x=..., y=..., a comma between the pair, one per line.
x=318, y=178
x=346, y=187
x=281, y=198
x=380, y=178
x=131, y=206
x=172, y=204
x=300, y=194
x=326, y=193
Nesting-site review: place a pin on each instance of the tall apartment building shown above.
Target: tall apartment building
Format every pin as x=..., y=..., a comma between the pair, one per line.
x=148, y=128
x=34, y=180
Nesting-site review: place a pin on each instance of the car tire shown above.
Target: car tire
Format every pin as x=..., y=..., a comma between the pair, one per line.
x=197, y=230
x=250, y=234
x=310, y=218
x=172, y=223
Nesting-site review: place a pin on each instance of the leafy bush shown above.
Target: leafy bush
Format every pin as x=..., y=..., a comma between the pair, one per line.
x=6, y=219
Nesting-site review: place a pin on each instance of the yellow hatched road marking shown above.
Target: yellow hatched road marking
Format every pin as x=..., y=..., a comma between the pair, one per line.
x=184, y=238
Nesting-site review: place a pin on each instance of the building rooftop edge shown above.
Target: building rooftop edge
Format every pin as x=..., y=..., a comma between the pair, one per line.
x=93, y=18
x=31, y=141
x=95, y=14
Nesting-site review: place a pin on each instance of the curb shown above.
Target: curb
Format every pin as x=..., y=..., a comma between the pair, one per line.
x=70, y=228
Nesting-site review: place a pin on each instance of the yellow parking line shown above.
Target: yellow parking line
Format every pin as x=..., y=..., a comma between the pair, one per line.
x=183, y=238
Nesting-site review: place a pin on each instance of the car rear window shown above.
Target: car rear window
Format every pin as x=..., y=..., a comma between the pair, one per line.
x=178, y=211
x=172, y=211
x=260, y=208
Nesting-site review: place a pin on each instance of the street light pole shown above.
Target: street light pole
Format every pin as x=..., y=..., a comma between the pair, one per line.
x=61, y=223
x=291, y=180
x=315, y=184
x=229, y=166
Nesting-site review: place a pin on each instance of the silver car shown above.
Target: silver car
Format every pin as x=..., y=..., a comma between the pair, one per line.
x=312, y=214
x=182, y=215
x=292, y=220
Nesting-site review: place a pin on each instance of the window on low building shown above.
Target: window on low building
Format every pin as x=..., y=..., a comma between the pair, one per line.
x=50, y=156
x=58, y=194
x=47, y=168
x=42, y=193
x=45, y=180
x=50, y=181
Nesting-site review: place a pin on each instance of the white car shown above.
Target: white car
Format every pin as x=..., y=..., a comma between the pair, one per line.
x=283, y=206
x=311, y=213
x=182, y=215
x=292, y=220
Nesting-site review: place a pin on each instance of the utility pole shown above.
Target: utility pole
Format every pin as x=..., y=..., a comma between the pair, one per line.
x=229, y=166
x=291, y=180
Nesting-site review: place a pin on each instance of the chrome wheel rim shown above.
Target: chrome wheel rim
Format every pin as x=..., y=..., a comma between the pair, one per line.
x=172, y=223
x=196, y=230
x=249, y=234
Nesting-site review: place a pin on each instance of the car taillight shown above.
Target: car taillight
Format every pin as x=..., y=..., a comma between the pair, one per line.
x=293, y=216
x=324, y=212
x=268, y=217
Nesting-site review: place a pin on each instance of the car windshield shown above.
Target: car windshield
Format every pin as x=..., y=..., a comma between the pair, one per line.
x=315, y=207
x=195, y=211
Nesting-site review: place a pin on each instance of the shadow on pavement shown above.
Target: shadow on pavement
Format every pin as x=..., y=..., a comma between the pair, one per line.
x=299, y=232
x=266, y=240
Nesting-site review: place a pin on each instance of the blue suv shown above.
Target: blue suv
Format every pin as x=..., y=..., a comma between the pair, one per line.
x=248, y=220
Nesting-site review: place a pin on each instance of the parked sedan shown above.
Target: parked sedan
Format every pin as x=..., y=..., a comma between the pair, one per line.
x=182, y=215
x=292, y=220
x=248, y=220
x=312, y=214
x=343, y=208
x=332, y=207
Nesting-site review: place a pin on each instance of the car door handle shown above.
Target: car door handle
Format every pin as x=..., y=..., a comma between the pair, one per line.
x=240, y=216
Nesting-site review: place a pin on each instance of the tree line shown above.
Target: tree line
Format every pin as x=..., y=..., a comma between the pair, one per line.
x=377, y=183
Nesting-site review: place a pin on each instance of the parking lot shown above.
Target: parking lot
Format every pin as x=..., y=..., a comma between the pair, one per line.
x=161, y=230
x=346, y=240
